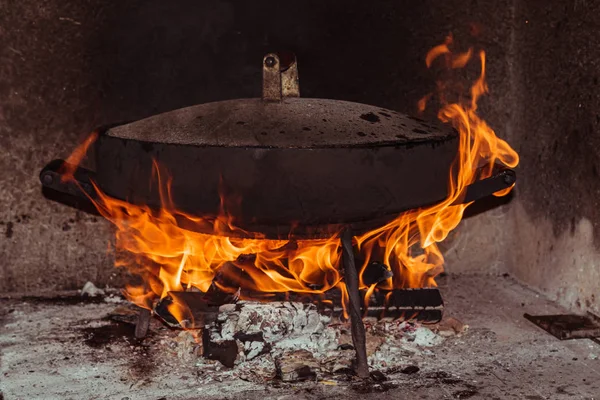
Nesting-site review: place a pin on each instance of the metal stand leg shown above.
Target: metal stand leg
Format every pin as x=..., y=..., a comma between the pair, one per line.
x=357, y=327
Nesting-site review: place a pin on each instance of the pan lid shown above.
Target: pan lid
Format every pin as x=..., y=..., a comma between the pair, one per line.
x=281, y=119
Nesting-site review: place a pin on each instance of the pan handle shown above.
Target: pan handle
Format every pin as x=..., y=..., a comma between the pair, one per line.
x=503, y=178
x=51, y=178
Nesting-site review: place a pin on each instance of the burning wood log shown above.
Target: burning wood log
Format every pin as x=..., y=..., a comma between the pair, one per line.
x=375, y=273
x=423, y=305
x=194, y=309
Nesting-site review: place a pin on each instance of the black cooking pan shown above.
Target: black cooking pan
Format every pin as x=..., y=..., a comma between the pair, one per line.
x=283, y=164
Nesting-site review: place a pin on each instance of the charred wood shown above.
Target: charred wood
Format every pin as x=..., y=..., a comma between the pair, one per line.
x=225, y=352
x=296, y=366
x=375, y=273
x=423, y=305
x=142, y=324
x=195, y=309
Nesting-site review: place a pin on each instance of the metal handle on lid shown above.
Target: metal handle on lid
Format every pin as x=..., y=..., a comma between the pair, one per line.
x=280, y=77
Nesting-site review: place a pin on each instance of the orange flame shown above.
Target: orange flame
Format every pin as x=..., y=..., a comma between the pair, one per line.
x=71, y=164
x=170, y=258
x=419, y=231
x=153, y=245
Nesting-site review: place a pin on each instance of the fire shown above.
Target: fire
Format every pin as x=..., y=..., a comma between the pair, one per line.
x=72, y=162
x=153, y=245
x=419, y=231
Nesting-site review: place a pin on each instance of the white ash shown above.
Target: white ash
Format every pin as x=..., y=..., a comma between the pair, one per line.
x=253, y=349
x=186, y=346
x=89, y=289
x=289, y=335
x=402, y=340
x=424, y=337
x=114, y=298
x=283, y=325
x=258, y=370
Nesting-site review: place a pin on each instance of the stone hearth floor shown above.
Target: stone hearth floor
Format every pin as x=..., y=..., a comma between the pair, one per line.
x=65, y=350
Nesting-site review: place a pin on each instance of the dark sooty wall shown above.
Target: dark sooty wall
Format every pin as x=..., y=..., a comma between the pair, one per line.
x=556, y=123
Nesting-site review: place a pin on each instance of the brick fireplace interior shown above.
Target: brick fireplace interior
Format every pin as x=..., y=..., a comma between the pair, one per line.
x=67, y=67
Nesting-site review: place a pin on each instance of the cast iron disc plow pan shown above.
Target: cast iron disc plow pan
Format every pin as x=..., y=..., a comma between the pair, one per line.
x=284, y=165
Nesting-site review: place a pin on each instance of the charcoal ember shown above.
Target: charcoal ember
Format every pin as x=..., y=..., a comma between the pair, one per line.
x=232, y=275
x=259, y=370
x=255, y=349
x=410, y=369
x=373, y=341
x=376, y=272
x=297, y=366
x=424, y=298
x=246, y=258
x=339, y=362
x=124, y=313
x=377, y=376
x=224, y=351
x=254, y=344
x=186, y=346
x=249, y=337
x=161, y=309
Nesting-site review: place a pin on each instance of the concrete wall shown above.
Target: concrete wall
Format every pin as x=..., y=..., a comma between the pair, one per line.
x=68, y=66
x=557, y=123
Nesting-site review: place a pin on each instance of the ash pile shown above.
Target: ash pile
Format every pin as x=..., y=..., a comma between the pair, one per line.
x=292, y=341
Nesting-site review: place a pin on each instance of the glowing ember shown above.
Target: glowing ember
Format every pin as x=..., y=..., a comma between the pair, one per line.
x=153, y=245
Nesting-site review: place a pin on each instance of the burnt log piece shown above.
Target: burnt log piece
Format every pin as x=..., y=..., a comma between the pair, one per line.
x=225, y=351
x=341, y=362
x=423, y=305
x=195, y=309
x=296, y=366
x=143, y=323
x=416, y=299
x=375, y=273
x=271, y=327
